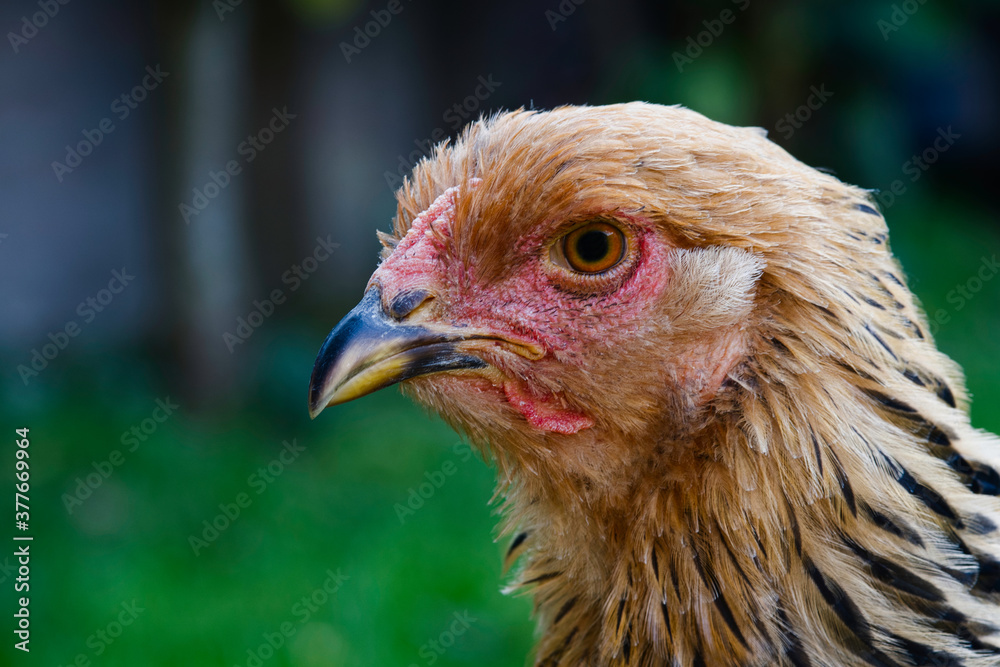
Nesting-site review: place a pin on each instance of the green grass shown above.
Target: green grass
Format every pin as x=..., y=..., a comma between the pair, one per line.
x=331, y=509
x=942, y=245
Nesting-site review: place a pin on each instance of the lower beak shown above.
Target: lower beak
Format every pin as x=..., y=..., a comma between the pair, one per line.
x=370, y=350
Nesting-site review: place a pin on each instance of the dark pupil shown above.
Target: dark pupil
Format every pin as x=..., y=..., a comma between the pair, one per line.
x=592, y=246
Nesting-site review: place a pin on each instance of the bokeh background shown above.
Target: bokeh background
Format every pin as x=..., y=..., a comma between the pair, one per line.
x=856, y=87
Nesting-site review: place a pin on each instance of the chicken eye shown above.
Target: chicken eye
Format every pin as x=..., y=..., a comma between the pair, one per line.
x=593, y=248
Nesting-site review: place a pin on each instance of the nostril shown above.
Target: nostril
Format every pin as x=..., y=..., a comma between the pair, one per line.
x=407, y=301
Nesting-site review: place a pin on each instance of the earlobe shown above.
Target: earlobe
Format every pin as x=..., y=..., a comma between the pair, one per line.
x=712, y=287
x=722, y=359
x=709, y=303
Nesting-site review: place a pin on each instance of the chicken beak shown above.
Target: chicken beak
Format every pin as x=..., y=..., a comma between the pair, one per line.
x=369, y=350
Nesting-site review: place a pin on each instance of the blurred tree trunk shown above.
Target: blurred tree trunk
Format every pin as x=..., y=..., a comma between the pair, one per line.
x=275, y=195
x=206, y=122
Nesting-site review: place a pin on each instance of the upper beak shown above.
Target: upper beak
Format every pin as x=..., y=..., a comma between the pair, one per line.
x=370, y=350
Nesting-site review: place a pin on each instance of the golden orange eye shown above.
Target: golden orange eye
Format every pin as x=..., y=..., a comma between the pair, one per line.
x=592, y=248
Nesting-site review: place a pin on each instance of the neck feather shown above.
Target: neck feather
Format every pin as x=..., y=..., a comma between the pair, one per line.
x=774, y=534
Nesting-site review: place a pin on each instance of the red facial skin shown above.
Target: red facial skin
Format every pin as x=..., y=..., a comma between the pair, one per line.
x=536, y=302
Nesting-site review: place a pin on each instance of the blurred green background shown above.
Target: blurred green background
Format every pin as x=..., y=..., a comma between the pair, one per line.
x=855, y=87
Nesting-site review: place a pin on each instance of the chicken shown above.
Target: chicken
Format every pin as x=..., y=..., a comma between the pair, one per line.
x=722, y=431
